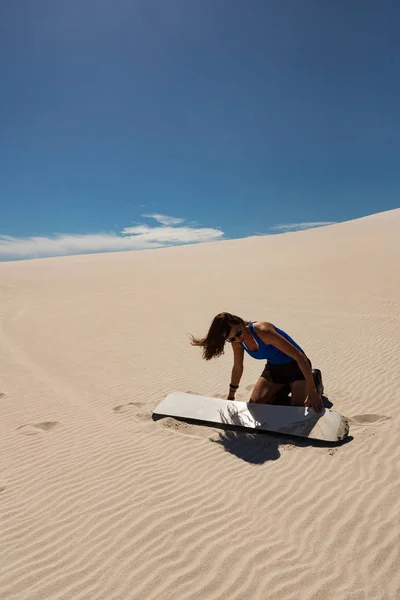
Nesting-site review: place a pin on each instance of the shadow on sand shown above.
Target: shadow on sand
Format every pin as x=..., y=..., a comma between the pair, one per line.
x=260, y=446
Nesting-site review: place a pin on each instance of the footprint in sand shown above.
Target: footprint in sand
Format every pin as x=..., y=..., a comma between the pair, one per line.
x=131, y=408
x=2, y=395
x=367, y=419
x=127, y=407
x=121, y=408
x=35, y=428
x=2, y=488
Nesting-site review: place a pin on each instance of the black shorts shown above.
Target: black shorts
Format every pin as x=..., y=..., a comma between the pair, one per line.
x=286, y=373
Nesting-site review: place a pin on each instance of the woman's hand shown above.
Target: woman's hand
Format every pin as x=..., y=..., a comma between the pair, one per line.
x=314, y=401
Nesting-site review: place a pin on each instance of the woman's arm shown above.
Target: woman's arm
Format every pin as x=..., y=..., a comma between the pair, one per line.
x=237, y=370
x=269, y=335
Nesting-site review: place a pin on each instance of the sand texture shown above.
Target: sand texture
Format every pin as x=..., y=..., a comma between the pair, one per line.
x=100, y=502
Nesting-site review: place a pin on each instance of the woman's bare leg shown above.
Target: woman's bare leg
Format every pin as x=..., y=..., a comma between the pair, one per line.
x=299, y=392
x=265, y=391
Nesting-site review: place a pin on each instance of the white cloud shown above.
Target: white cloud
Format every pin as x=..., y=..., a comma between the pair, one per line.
x=164, y=219
x=300, y=226
x=140, y=237
x=172, y=235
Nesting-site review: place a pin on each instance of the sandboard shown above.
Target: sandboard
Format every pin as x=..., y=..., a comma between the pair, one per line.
x=327, y=425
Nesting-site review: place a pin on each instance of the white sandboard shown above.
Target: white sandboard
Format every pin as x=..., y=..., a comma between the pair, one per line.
x=327, y=425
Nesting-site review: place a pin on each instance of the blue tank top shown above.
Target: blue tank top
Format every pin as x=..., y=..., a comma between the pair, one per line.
x=268, y=351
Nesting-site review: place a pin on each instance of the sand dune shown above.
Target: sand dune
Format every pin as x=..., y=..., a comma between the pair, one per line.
x=98, y=501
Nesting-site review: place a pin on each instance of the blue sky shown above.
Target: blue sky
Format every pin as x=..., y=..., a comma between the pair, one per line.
x=216, y=119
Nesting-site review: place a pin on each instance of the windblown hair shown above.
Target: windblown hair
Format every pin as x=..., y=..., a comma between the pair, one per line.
x=214, y=342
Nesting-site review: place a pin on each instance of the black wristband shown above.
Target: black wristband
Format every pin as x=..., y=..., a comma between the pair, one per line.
x=233, y=387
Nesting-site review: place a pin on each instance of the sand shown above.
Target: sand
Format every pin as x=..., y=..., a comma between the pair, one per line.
x=100, y=502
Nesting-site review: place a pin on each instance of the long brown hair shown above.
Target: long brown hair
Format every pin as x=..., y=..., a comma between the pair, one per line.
x=213, y=343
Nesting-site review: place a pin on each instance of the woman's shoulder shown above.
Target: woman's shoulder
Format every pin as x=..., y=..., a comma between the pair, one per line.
x=263, y=326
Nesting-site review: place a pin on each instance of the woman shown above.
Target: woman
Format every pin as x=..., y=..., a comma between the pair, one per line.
x=286, y=364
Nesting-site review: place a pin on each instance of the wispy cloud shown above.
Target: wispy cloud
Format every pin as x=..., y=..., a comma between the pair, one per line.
x=140, y=237
x=300, y=226
x=164, y=219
